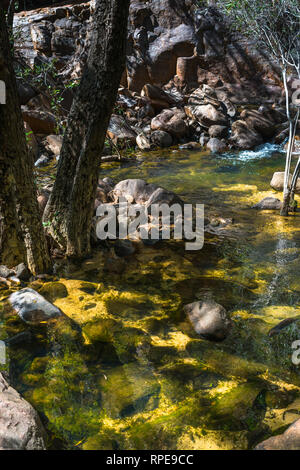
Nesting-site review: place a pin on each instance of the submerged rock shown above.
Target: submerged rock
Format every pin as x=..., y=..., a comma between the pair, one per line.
x=33, y=308
x=289, y=440
x=53, y=291
x=20, y=426
x=209, y=319
x=268, y=203
x=129, y=389
x=283, y=324
x=163, y=196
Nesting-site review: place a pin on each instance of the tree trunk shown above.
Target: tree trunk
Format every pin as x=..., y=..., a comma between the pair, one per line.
x=286, y=190
x=10, y=17
x=12, y=249
x=19, y=210
x=71, y=204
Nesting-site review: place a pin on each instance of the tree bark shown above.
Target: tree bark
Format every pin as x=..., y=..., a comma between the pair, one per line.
x=70, y=207
x=286, y=190
x=21, y=226
x=10, y=16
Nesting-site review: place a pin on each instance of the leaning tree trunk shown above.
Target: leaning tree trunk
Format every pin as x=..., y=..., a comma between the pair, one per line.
x=19, y=209
x=287, y=189
x=70, y=207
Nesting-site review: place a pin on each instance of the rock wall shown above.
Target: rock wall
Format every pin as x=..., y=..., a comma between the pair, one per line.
x=188, y=80
x=168, y=40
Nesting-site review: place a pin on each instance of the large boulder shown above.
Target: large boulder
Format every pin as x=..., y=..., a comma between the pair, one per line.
x=157, y=97
x=289, y=440
x=171, y=121
x=164, y=51
x=20, y=425
x=209, y=319
x=278, y=180
x=140, y=192
x=32, y=307
x=161, y=139
x=208, y=115
x=134, y=190
x=244, y=137
x=120, y=131
x=41, y=122
x=258, y=121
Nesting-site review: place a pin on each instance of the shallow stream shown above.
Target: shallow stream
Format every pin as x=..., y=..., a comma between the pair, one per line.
x=128, y=371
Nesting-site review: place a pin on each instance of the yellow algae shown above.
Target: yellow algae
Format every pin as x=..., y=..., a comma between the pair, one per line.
x=175, y=338
x=277, y=313
x=224, y=387
x=198, y=439
x=235, y=187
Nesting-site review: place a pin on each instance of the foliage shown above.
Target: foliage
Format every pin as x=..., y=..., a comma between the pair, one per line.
x=45, y=78
x=274, y=23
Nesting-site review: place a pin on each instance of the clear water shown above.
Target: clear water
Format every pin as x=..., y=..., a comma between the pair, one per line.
x=126, y=371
